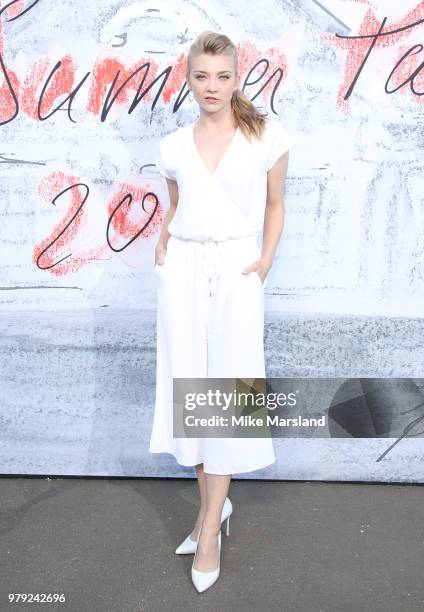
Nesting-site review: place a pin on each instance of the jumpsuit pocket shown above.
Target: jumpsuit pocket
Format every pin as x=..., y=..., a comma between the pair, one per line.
x=255, y=274
x=159, y=267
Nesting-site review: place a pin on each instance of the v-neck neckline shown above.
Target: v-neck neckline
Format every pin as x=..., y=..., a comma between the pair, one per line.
x=229, y=146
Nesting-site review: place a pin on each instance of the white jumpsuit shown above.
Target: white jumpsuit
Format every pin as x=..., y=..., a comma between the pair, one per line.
x=210, y=316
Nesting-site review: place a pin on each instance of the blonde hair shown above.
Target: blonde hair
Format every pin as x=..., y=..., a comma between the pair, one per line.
x=250, y=121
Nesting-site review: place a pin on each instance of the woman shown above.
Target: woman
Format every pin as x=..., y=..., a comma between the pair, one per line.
x=225, y=174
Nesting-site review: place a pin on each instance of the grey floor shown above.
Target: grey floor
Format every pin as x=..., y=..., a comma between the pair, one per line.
x=108, y=545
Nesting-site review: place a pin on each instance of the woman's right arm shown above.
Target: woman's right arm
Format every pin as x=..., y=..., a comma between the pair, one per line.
x=160, y=250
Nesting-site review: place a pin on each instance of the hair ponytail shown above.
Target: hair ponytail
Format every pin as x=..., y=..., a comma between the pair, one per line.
x=248, y=118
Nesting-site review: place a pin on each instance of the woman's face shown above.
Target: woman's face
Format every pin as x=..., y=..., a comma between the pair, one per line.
x=212, y=76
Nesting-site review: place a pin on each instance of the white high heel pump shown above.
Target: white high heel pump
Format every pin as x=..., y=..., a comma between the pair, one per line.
x=189, y=546
x=203, y=580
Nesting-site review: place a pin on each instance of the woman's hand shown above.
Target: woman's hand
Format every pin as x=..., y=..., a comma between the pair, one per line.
x=262, y=266
x=160, y=254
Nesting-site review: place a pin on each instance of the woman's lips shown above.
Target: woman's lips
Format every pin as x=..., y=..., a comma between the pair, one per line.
x=211, y=99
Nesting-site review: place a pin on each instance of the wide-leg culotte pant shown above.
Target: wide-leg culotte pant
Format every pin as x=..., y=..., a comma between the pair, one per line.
x=210, y=324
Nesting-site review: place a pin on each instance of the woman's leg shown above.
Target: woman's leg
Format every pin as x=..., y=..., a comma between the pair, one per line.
x=203, y=500
x=217, y=486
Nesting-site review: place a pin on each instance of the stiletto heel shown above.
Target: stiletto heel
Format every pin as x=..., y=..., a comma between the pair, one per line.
x=228, y=527
x=203, y=580
x=189, y=546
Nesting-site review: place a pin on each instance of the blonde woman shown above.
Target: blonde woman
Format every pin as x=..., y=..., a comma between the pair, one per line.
x=225, y=173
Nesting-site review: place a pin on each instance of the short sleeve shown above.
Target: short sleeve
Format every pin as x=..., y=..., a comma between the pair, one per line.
x=164, y=159
x=279, y=142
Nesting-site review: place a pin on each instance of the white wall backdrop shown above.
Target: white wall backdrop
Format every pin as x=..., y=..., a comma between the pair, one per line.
x=77, y=302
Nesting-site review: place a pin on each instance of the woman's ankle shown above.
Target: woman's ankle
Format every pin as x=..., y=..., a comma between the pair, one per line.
x=211, y=526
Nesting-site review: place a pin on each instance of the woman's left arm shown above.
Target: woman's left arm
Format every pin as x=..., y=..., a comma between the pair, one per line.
x=274, y=216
